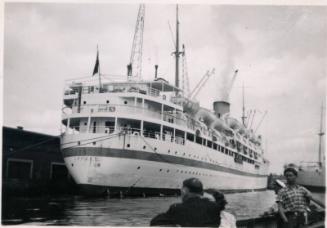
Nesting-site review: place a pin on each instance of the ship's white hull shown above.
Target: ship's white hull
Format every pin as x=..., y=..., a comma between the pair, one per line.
x=112, y=165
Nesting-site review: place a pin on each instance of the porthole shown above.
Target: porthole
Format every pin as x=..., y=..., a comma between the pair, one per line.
x=125, y=102
x=85, y=124
x=72, y=164
x=84, y=102
x=94, y=143
x=138, y=167
x=160, y=170
x=175, y=152
x=98, y=164
x=155, y=149
x=107, y=101
x=168, y=151
x=144, y=147
x=78, y=143
x=128, y=145
x=183, y=154
x=167, y=170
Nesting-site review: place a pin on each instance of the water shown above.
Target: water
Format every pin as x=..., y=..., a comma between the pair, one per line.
x=78, y=210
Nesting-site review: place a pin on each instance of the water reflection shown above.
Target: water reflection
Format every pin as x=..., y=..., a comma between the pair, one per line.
x=77, y=210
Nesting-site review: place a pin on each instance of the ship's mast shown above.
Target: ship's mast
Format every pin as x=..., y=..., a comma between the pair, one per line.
x=243, y=108
x=177, y=52
x=320, y=134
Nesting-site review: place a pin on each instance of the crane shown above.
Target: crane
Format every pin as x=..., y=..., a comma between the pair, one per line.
x=200, y=84
x=185, y=80
x=252, y=119
x=134, y=68
x=264, y=115
x=230, y=86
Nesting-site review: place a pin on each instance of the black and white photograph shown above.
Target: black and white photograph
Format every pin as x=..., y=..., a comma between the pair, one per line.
x=164, y=113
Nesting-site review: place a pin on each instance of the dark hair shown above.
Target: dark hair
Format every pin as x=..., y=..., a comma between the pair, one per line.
x=290, y=170
x=194, y=185
x=219, y=197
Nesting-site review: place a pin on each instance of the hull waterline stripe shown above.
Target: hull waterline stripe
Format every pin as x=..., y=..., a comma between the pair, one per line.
x=146, y=156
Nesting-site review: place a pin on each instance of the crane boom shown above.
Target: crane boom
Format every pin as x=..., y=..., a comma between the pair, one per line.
x=260, y=122
x=134, y=68
x=201, y=83
x=230, y=86
x=185, y=80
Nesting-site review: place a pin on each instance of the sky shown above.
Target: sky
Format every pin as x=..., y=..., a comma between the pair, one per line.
x=280, y=52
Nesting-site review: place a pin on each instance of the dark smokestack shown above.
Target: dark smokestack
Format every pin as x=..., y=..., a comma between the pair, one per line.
x=156, y=71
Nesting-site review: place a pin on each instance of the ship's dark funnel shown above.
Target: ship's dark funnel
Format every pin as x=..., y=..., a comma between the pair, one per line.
x=221, y=108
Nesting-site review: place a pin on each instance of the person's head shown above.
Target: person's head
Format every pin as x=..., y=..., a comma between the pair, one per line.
x=218, y=197
x=290, y=173
x=191, y=186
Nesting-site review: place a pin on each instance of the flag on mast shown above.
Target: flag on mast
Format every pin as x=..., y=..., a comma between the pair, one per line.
x=96, y=67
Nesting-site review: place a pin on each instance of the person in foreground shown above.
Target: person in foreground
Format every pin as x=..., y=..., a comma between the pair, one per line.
x=194, y=211
x=227, y=220
x=293, y=201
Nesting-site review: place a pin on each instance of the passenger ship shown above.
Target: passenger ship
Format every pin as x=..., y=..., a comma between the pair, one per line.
x=130, y=136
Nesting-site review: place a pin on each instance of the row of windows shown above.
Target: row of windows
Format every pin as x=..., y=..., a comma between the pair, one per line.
x=23, y=169
x=230, y=153
x=195, y=173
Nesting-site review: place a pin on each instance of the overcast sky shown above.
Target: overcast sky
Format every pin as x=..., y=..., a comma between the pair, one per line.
x=280, y=52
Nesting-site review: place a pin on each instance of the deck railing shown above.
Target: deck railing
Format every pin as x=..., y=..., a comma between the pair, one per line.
x=124, y=131
x=119, y=108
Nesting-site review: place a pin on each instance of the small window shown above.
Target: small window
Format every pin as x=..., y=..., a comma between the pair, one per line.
x=125, y=102
x=107, y=102
x=84, y=102
x=19, y=168
x=128, y=145
x=215, y=146
x=144, y=147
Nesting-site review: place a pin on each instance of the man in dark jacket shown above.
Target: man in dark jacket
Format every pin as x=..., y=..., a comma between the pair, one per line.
x=194, y=210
